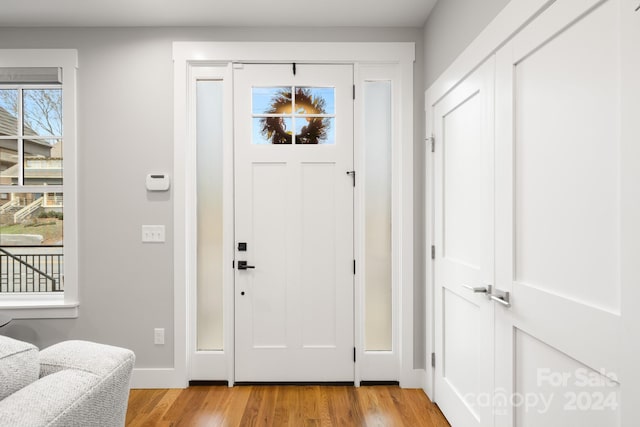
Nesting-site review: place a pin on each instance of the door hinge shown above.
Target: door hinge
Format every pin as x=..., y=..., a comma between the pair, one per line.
x=433, y=360
x=233, y=264
x=354, y=91
x=432, y=140
x=353, y=176
x=354, y=266
x=433, y=251
x=354, y=354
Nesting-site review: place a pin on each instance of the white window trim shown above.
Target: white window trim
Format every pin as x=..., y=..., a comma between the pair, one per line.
x=46, y=305
x=189, y=54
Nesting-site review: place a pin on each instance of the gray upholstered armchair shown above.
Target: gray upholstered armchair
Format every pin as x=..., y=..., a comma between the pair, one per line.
x=73, y=383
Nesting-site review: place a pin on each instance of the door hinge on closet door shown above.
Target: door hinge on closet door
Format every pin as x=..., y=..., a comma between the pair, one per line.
x=354, y=354
x=353, y=176
x=354, y=91
x=432, y=140
x=433, y=251
x=354, y=266
x=433, y=360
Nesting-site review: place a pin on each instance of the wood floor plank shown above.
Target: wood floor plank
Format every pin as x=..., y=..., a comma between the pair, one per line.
x=409, y=412
x=343, y=407
x=216, y=402
x=283, y=406
x=236, y=404
x=157, y=413
x=186, y=410
x=260, y=409
x=378, y=407
x=310, y=406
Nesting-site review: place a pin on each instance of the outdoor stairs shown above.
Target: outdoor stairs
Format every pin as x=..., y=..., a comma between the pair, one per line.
x=7, y=216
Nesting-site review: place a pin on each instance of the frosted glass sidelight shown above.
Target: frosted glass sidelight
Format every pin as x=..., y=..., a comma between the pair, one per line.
x=209, y=104
x=377, y=206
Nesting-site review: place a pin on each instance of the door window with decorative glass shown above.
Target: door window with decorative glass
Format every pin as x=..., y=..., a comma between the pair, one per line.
x=293, y=115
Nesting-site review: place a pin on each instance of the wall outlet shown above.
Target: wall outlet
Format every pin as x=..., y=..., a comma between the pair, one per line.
x=153, y=233
x=158, y=336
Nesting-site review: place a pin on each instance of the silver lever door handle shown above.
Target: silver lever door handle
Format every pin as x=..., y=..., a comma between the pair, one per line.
x=478, y=289
x=501, y=297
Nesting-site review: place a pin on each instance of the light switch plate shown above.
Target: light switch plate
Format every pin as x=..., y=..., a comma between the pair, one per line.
x=153, y=233
x=158, y=336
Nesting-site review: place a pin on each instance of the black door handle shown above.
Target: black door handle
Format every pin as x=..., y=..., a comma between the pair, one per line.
x=242, y=265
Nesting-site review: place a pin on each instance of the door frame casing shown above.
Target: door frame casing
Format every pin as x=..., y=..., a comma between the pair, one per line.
x=188, y=56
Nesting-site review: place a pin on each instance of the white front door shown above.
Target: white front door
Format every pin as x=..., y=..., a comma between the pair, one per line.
x=294, y=222
x=562, y=196
x=464, y=261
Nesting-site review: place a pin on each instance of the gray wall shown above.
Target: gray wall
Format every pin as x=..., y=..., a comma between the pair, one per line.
x=451, y=26
x=125, y=130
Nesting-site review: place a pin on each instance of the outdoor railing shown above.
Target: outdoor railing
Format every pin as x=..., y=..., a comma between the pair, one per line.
x=9, y=205
x=27, y=210
x=25, y=269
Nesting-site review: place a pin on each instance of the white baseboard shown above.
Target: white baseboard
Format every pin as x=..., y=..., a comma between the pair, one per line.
x=428, y=383
x=157, y=378
x=413, y=379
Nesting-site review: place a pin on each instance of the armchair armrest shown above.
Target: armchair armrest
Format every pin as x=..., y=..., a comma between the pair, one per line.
x=56, y=400
x=99, y=359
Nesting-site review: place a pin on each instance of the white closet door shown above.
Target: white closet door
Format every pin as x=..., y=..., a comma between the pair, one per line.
x=560, y=217
x=464, y=263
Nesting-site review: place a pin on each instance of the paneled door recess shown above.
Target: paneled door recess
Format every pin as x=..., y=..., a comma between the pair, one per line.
x=294, y=222
x=537, y=226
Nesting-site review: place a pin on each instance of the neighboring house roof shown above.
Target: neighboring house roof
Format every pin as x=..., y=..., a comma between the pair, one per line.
x=9, y=124
x=9, y=127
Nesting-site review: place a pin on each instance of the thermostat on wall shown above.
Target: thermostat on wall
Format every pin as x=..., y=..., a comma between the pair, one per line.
x=157, y=182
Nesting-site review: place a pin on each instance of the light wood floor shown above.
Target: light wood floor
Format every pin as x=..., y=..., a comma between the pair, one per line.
x=294, y=406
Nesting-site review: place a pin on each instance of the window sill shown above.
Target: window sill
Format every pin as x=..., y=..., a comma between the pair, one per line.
x=41, y=306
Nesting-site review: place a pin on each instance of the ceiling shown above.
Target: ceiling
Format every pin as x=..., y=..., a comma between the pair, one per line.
x=261, y=13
